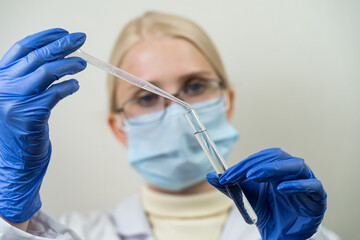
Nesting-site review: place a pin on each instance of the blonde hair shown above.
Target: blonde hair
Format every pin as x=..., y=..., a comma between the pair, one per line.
x=160, y=24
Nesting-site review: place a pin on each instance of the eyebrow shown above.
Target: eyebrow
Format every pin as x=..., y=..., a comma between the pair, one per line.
x=203, y=73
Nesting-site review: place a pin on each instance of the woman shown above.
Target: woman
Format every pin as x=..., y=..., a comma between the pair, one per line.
x=177, y=202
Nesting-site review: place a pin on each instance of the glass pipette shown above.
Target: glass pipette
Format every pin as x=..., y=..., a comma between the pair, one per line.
x=217, y=161
x=127, y=76
x=197, y=126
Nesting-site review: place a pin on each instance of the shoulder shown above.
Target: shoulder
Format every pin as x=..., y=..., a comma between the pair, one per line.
x=236, y=228
x=105, y=224
x=87, y=225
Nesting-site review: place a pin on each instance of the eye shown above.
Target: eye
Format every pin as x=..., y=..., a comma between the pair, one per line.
x=195, y=87
x=147, y=100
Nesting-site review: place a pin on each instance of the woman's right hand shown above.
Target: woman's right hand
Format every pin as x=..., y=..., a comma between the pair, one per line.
x=27, y=96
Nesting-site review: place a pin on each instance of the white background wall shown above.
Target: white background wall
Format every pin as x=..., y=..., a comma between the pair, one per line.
x=295, y=66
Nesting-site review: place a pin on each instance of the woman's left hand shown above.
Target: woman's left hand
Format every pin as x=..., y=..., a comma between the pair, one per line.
x=288, y=199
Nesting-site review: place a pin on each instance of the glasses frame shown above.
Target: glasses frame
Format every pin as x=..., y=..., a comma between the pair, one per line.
x=121, y=110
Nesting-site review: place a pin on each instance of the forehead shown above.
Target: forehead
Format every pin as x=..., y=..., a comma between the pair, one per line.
x=163, y=61
x=158, y=57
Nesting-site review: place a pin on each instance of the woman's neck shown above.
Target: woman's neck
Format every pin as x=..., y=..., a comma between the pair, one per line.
x=200, y=187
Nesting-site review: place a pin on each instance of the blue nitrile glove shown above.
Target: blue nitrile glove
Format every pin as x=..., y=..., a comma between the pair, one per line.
x=289, y=201
x=26, y=72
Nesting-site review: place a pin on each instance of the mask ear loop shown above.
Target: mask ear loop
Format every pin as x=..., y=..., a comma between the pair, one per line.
x=226, y=99
x=120, y=122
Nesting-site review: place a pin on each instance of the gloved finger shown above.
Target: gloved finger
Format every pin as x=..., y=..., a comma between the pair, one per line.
x=311, y=187
x=45, y=75
x=30, y=43
x=292, y=168
x=213, y=179
x=51, y=96
x=51, y=52
x=237, y=173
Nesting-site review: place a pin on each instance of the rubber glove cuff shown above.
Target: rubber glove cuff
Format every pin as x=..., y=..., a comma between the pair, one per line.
x=19, y=195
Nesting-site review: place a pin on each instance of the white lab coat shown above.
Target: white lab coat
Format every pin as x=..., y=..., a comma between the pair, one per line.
x=126, y=222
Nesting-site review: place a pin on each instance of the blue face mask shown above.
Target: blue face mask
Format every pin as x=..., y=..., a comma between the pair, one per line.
x=167, y=154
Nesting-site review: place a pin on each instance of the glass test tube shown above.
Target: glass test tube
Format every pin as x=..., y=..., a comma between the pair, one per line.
x=220, y=166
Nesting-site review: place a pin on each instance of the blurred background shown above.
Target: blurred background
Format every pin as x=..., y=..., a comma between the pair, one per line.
x=295, y=67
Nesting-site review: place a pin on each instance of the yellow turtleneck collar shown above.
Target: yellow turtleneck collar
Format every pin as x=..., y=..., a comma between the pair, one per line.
x=196, y=216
